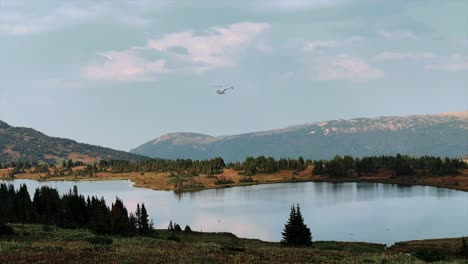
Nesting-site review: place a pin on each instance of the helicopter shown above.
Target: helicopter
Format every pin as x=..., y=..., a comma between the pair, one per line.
x=223, y=91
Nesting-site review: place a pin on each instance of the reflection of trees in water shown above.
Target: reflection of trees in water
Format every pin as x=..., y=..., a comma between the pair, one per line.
x=321, y=193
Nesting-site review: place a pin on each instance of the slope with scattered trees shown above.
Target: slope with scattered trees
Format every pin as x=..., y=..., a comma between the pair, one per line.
x=19, y=144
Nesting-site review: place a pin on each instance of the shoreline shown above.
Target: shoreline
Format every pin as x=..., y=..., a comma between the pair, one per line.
x=157, y=181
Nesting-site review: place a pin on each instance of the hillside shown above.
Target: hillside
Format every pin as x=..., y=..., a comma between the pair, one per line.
x=26, y=144
x=439, y=135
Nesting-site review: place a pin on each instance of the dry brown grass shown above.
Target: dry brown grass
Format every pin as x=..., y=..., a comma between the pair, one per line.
x=81, y=157
x=158, y=181
x=450, y=246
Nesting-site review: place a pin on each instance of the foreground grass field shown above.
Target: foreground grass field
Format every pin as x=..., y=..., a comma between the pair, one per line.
x=45, y=244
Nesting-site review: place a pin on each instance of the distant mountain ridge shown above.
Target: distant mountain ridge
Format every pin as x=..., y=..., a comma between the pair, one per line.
x=441, y=134
x=29, y=145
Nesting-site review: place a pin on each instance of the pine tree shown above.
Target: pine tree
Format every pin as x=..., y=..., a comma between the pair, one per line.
x=144, y=221
x=120, y=223
x=464, y=248
x=133, y=230
x=296, y=233
x=170, y=227
x=138, y=217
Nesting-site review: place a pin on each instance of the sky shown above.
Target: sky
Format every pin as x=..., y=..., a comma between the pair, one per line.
x=120, y=73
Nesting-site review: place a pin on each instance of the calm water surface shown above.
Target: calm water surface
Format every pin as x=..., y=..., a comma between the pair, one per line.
x=381, y=213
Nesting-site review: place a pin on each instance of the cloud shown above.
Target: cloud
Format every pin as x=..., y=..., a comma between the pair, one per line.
x=30, y=18
x=124, y=66
x=398, y=34
x=56, y=83
x=454, y=63
x=292, y=5
x=397, y=56
x=184, y=51
x=286, y=76
x=319, y=45
x=215, y=48
x=344, y=67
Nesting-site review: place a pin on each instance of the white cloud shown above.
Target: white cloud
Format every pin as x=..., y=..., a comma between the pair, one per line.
x=455, y=62
x=291, y=5
x=183, y=52
x=398, y=34
x=31, y=18
x=56, y=83
x=124, y=66
x=320, y=45
x=344, y=67
x=215, y=48
x=286, y=76
x=396, y=56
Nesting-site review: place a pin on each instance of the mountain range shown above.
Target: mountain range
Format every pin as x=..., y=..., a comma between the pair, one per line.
x=29, y=145
x=439, y=135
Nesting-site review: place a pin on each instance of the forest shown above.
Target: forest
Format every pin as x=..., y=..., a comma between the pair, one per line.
x=340, y=166
x=71, y=210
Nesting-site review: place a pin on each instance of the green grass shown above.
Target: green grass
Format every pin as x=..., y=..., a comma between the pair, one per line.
x=39, y=244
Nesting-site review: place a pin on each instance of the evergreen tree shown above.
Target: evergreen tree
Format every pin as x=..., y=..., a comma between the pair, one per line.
x=464, y=248
x=120, y=223
x=133, y=230
x=188, y=229
x=138, y=217
x=296, y=233
x=23, y=205
x=144, y=221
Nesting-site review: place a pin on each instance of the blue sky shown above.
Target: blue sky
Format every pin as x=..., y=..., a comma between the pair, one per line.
x=120, y=73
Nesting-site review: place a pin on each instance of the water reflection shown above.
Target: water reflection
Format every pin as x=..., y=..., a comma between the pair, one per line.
x=382, y=213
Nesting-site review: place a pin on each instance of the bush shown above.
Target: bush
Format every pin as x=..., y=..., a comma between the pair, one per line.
x=430, y=255
x=100, y=240
x=223, y=180
x=5, y=230
x=246, y=179
x=47, y=228
x=173, y=238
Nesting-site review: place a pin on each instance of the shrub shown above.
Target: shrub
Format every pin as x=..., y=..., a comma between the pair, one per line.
x=47, y=228
x=246, y=179
x=223, y=180
x=5, y=230
x=100, y=240
x=430, y=255
x=173, y=238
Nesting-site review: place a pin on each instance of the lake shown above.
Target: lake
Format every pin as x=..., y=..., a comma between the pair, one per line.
x=370, y=212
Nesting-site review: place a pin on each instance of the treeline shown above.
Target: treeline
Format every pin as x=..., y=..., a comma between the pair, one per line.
x=340, y=166
x=401, y=165
x=49, y=168
x=71, y=210
x=209, y=167
x=262, y=164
